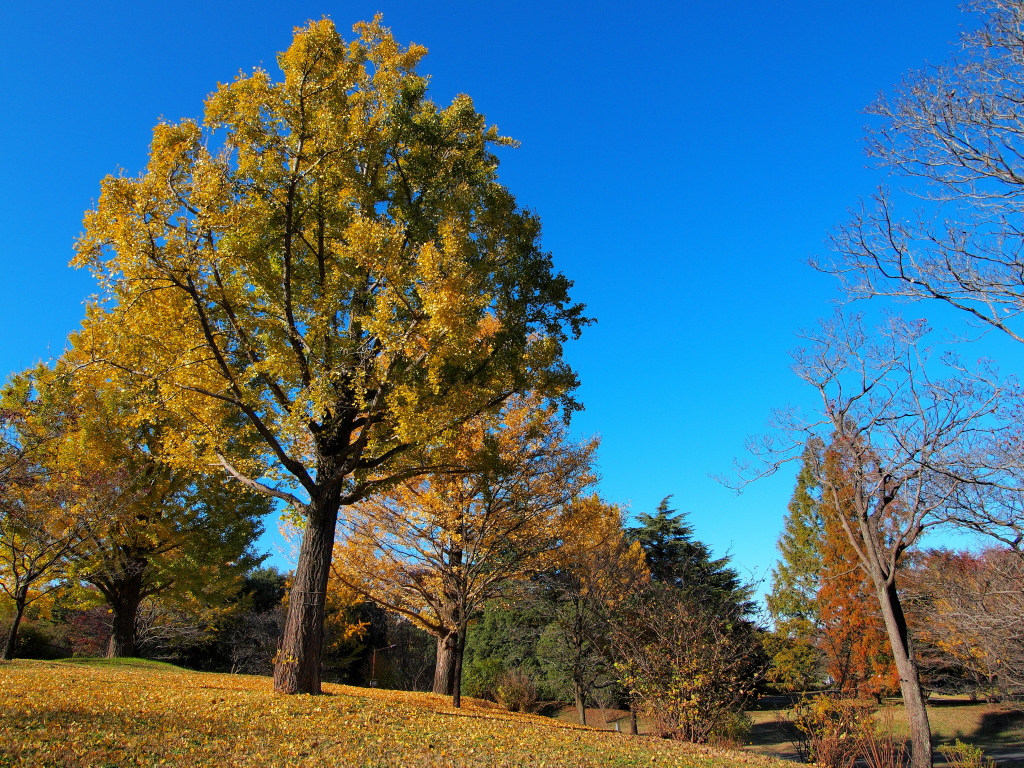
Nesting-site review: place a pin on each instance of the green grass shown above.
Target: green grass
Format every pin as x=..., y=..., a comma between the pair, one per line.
x=98, y=713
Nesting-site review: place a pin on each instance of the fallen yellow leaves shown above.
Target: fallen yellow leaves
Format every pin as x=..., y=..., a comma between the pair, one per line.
x=89, y=716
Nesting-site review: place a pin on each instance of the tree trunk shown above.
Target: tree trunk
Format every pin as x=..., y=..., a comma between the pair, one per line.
x=124, y=596
x=910, y=681
x=581, y=703
x=444, y=669
x=633, y=727
x=12, y=636
x=297, y=664
x=460, y=649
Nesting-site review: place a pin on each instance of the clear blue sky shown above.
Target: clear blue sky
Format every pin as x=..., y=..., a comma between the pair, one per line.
x=686, y=159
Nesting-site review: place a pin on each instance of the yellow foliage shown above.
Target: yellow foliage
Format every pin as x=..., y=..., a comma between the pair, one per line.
x=84, y=715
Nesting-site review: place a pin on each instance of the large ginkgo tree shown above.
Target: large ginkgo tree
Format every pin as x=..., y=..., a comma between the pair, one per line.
x=327, y=265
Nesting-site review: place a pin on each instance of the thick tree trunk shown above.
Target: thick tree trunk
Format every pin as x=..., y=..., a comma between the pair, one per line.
x=633, y=726
x=297, y=664
x=581, y=703
x=444, y=668
x=12, y=635
x=124, y=596
x=910, y=681
x=460, y=650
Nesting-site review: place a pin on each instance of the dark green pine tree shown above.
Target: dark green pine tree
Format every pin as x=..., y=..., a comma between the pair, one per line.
x=793, y=600
x=677, y=560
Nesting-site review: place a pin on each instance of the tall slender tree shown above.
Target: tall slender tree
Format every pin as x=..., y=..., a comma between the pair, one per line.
x=852, y=635
x=797, y=579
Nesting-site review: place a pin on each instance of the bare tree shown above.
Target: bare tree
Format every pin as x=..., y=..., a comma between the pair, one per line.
x=955, y=134
x=910, y=442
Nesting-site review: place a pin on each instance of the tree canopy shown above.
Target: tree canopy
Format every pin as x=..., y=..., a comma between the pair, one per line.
x=320, y=275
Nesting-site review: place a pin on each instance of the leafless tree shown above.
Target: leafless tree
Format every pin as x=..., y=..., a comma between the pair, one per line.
x=955, y=134
x=910, y=441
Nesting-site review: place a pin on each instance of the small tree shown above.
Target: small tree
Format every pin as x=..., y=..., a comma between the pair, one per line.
x=435, y=549
x=41, y=518
x=691, y=662
x=599, y=570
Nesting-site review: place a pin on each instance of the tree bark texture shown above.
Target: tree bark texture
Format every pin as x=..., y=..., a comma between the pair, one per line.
x=910, y=681
x=581, y=703
x=460, y=648
x=444, y=669
x=297, y=667
x=12, y=635
x=124, y=596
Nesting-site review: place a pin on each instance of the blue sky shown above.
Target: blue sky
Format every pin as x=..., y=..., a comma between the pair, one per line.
x=686, y=159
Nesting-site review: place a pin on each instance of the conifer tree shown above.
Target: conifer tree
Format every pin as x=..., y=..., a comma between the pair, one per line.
x=677, y=560
x=793, y=600
x=853, y=639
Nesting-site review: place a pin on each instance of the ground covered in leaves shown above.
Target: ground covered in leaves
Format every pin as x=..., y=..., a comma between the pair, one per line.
x=93, y=714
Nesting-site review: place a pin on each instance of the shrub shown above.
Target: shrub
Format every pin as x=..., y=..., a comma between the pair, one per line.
x=831, y=731
x=516, y=691
x=961, y=755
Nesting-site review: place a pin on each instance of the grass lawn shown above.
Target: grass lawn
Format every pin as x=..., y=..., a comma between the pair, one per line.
x=90, y=714
x=997, y=729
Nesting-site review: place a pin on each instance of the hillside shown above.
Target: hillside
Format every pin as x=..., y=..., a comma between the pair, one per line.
x=96, y=713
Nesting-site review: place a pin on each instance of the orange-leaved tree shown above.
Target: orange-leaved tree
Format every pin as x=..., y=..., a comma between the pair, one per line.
x=321, y=275
x=435, y=548
x=851, y=632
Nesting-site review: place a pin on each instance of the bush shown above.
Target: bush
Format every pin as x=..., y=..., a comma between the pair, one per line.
x=690, y=662
x=830, y=729
x=516, y=691
x=835, y=732
x=961, y=755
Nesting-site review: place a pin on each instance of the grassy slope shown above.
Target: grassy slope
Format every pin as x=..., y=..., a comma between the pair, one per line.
x=140, y=713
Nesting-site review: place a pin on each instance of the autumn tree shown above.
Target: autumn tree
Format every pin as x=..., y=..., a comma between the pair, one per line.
x=908, y=441
x=598, y=570
x=690, y=662
x=796, y=581
x=328, y=264
x=436, y=548
x=968, y=607
x=157, y=529
x=41, y=518
x=851, y=634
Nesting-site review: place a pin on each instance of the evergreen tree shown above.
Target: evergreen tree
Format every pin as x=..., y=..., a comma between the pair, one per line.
x=793, y=600
x=676, y=559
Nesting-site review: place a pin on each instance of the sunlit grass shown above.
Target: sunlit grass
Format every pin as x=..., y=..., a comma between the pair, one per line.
x=100, y=713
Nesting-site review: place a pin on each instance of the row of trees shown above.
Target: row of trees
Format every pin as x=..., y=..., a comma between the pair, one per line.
x=962, y=608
